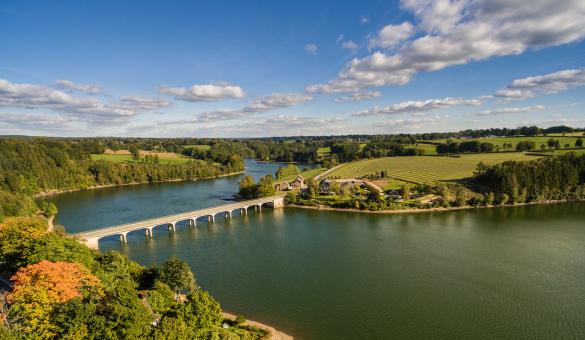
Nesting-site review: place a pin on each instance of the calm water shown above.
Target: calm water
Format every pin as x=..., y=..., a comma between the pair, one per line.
x=513, y=273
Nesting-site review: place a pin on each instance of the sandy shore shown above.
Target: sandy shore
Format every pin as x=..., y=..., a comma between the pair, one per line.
x=274, y=333
x=420, y=210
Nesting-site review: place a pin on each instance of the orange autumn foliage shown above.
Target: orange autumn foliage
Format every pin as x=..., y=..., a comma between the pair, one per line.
x=53, y=282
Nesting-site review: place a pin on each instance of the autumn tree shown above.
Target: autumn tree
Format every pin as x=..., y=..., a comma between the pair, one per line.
x=40, y=287
x=16, y=233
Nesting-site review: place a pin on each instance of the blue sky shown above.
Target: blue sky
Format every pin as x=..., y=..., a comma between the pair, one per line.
x=261, y=68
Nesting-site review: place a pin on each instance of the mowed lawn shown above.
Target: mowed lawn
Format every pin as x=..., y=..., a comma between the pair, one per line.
x=421, y=169
x=164, y=157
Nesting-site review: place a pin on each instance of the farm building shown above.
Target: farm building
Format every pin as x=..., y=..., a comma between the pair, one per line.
x=298, y=182
x=349, y=183
x=282, y=186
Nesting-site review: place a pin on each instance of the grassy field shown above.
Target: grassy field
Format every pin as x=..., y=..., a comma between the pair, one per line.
x=430, y=149
x=306, y=174
x=203, y=147
x=164, y=158
x=499, y=141
x=421, y=169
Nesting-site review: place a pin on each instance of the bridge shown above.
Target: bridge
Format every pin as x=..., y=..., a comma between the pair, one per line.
x=91, y=238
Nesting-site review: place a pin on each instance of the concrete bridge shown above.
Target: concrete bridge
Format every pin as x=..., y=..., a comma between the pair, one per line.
x=91, y=238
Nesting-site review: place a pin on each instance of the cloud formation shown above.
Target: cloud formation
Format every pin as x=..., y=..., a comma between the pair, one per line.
x=510, y=110
x=277, y=101
x=418, y=106
x=203, y=92
x=311, y=49
x=84, y=88
x=459, y=32
x=358, y=96
x=350, y=45
x=546, y=84
x=89, y=109
x=392, y=35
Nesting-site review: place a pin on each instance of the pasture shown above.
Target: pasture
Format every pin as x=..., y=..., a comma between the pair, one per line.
x=201, y=147
x=123, y=157
x=425, y=169
x=306, y=174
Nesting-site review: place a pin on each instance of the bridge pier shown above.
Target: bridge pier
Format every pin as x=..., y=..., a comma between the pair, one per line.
x=123, y=237
x=173, y=226
x=148, y=232
x=244, y=211
x=193, y=222
x=228, y=215
x=211, y=218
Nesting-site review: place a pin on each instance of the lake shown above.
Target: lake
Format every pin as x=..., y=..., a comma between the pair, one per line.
x=514, y=273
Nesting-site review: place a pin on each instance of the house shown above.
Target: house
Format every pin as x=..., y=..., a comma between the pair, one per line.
x=345, y=183
x=282, y=186
x=298, y=182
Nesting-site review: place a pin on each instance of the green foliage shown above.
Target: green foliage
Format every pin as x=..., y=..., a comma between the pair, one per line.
x=525, y=145
x=200, y=311
x=161, y=298
x=286, y=171
x=177, y=275
x=544, y=179
x=16, y=234
x=56, y=248
x=49, y=209
x=112, y=267
x=15, y=205
x=579, y=143
x=264, y=187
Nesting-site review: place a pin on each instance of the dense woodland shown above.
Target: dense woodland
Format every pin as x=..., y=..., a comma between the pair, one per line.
x=547, y=178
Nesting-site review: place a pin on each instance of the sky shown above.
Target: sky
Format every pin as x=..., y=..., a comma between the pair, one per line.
x=288, y=68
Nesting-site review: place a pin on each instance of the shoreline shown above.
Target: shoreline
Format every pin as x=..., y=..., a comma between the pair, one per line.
x=56, y=192
x=429, y=210
x=274, y=333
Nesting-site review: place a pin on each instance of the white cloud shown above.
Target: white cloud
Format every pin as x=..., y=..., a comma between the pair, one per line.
x=27, y=122
x=85, y=88
x=459, y=32
x=260, y=105
x=511, y=110
x=203, y=92
x=418, y=106
x=364, y=19
x=350, y=45
x=277, y=100
x=311, y=49
x=89, y=109
x=392, y=35
x=549, y=83
x=359, y=96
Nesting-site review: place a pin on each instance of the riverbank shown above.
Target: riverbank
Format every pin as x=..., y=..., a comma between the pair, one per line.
x=425, y=210
x=55, y=192
x=274, y=333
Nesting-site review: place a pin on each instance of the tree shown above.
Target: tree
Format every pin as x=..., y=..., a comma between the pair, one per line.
x=201, y=312
x=16, y=234
x=266, y=186
x=177, y=275
x=39, y=288
x=405, y=192
x=49, y=209
x=579, y=143
x=247, y=187
x=134, y=152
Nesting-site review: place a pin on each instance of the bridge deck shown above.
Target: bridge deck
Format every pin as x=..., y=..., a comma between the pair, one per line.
x=127, y=227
